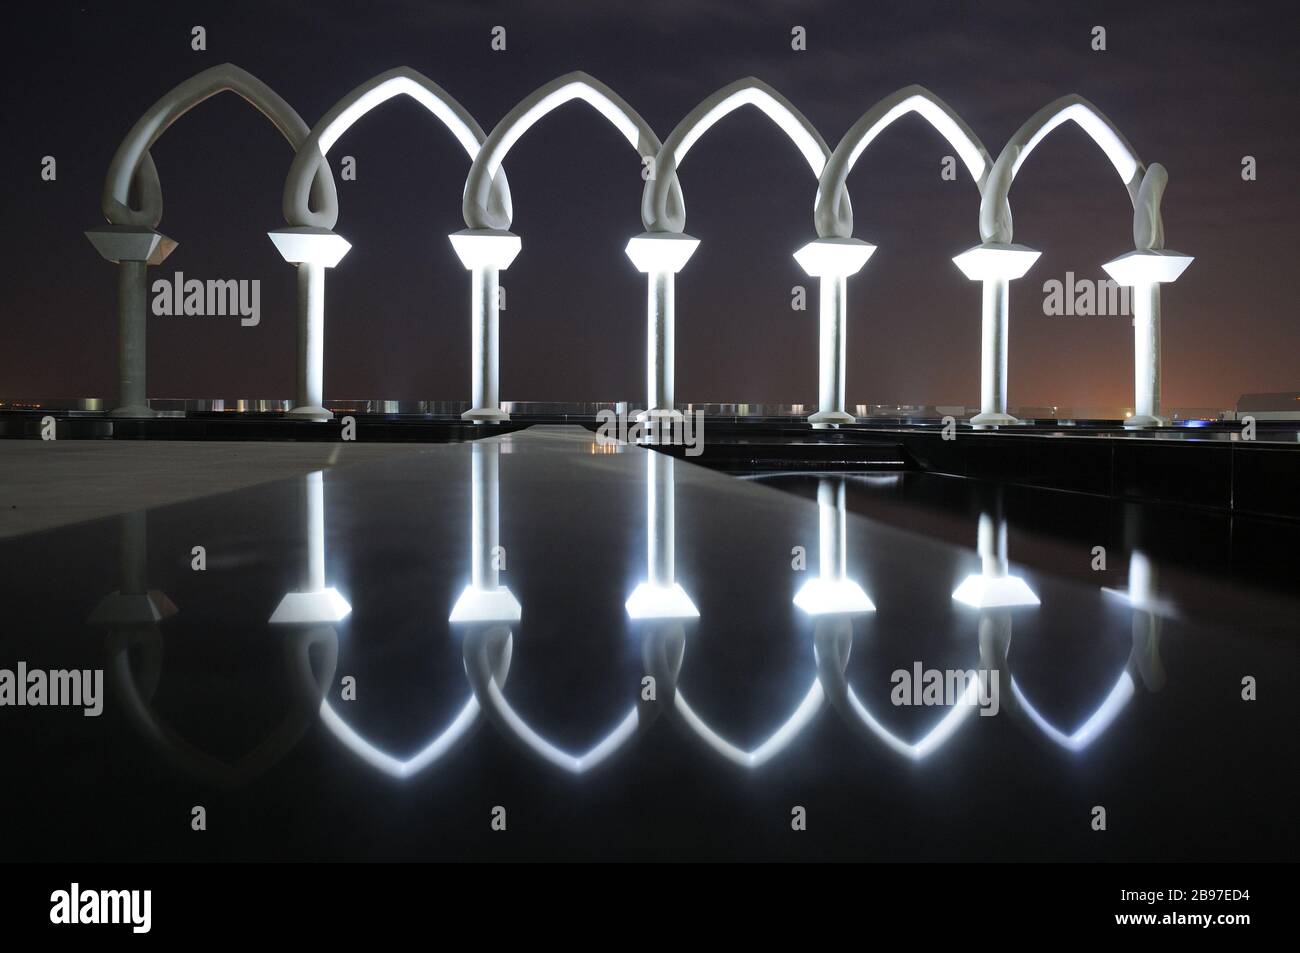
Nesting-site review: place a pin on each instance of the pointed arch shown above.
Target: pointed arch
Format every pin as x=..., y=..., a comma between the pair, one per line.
x=832, y=214
x=541, y=101
x=402, y=81
x=995, y=207
x=133, y=166
x=656, y=198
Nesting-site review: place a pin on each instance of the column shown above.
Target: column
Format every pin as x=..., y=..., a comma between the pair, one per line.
x=133, y=249
x=833, y=260
x=1145, y=272
x=485, y=252
x=996, y=265
x=312, y=250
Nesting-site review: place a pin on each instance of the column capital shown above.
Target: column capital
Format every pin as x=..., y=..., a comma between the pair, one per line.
x=834, y=257
x=486, y=605
x=485, y=247
x=1151, y=267
x=995, y=260
x=651, y=601
x=119, y=243
x=304, y=243
x=664, y=252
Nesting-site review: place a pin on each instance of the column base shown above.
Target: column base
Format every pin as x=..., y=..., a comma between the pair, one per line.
x=310, y=413
x=134, y=410
x=489, y=415
x=831, y=417
x=1138, y=421
x=991, y=419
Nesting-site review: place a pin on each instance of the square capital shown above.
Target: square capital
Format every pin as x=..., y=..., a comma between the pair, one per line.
x=485, y=247
x=119, y=243
x=1147, y=267
x=317, y=246
x=834, y=257
x=993, y=260
x=661, y=251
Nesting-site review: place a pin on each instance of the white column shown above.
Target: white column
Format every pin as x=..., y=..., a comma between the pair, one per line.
x=314, y=602
x=1144, y=272
x=660, y=595
x=832, y=592
x=832, y=260
x=133, y=249
x=485, y=599
x=996, y=266
x=660, y=255
x=485, y=252
x=1146, y=352
x=313, y=250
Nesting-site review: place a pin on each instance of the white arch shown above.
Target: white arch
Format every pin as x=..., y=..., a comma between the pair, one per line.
x=477, y=211
x=488, y=694
x=774, y=744
x=132, y=161
x=995, y=208
x=402, y=81
x=750, y=91
x=832, y=215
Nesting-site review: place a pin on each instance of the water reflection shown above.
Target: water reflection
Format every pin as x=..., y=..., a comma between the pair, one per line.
x=660, y=613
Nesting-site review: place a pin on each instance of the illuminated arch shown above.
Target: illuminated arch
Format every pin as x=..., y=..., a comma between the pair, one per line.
x=402, y=81
x=477, y=208
x=995, y=208
x=834, y=638
x=138, y=693
x=132, y=162
x=657, y=198
x=832, y=214
x=480, y=645
x=773, y=745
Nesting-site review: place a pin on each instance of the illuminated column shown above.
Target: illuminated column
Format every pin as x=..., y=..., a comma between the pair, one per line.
x=660, y=596
x=994, y=587
x=313, y=602
x=660, y=255
x=832, y=592
x=833, y=260
x=312, y=250
x=485, y=599
x=485, y=252
x=997, y=266
x=1145, y=272
x=132, y=248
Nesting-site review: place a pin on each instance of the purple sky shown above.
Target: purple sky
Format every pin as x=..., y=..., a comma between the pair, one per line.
x=1193, y=85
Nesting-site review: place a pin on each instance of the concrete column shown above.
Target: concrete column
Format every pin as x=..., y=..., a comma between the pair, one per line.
x=313, y=250
x=485, y=253
x=485, y=599
x=1144, y=272
x=132, y=339
x=660, y=346
x=660, y=255
x=1146, y=352
x=132, y=248
x=996, y=265
x=832, y=260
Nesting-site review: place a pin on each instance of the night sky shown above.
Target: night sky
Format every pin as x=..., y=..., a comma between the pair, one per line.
x=1194, y=85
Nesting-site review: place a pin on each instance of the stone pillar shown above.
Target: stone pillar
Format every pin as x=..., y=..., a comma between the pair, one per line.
x=1145, y=272
x=833, y=260
x=659, y=256
x=485, y=252
x=312, y=250
x=133, y=249
x=996, y=265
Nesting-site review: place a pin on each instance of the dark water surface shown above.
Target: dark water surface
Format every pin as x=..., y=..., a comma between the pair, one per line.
x=574, y=577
